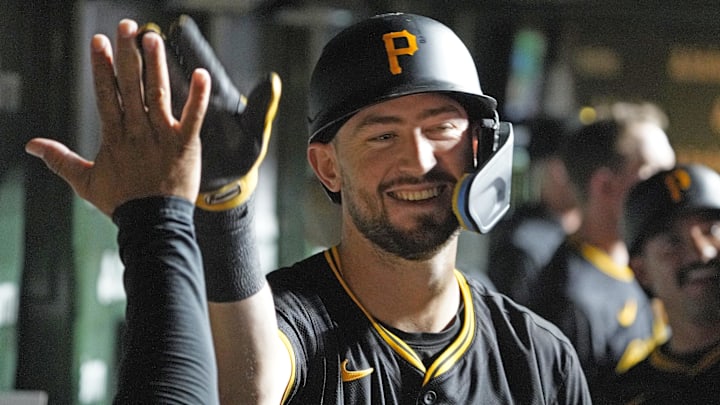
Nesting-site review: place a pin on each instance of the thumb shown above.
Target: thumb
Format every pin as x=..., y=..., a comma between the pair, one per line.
x=59, y=159
x=262, y=104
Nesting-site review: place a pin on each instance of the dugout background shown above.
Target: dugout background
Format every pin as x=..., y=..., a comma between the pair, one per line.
x=61, y=298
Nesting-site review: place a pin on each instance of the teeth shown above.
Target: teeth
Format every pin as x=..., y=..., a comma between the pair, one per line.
x=417, y=195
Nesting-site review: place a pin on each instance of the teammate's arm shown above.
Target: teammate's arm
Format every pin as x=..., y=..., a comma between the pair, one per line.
x=167, y=347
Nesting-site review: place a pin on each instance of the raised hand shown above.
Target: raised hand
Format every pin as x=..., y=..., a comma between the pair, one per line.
x=145, y=150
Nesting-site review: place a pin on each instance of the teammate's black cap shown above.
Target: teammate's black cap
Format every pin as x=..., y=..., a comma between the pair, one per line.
x=652, y=204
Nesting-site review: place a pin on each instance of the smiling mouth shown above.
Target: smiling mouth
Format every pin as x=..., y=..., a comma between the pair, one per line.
x=416, y=195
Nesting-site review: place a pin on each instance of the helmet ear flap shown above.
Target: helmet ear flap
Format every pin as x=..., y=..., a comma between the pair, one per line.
x=488, y=139
x=482, y=198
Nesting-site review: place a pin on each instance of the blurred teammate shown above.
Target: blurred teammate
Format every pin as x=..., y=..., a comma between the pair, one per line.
x=587, y=289
x=525, y=240
x=399, y=129
x=672, y=223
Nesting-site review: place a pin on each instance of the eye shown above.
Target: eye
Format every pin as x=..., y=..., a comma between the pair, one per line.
x=383, y=137
x=669, y=244
x=675, y=241
x=446, y=127
x=445, y=130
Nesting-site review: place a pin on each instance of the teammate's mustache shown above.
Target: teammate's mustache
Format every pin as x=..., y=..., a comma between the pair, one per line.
x=684, y=273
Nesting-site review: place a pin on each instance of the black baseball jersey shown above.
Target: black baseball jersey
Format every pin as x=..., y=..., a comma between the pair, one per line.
x=664, y=379
x=501, y=353
x=521, y=245
x=601, y=308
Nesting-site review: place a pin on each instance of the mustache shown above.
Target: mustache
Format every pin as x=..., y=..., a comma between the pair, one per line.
x=684, y=273
x=431, y=176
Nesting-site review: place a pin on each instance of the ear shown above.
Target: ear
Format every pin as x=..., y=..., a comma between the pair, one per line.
x=637, y=264
x=556, y=168
x=322, y=159
x=602, y=183
x=475, y=133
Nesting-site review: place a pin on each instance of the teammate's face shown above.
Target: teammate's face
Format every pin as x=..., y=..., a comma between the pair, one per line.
x=399, y=161
x=681, y=267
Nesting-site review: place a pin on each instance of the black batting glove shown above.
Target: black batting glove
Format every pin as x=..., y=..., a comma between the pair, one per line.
x=236, y=131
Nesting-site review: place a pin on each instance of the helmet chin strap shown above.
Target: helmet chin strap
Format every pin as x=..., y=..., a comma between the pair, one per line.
x=482, y=198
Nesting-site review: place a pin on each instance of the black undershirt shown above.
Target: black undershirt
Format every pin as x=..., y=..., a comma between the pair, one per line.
x=429, y=345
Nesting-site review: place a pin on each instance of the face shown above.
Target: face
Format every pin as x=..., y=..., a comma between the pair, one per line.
x=681, y=267
x=397, y=163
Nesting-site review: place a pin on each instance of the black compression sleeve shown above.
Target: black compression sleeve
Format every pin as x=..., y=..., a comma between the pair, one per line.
x=230, y=253
x=167, y=347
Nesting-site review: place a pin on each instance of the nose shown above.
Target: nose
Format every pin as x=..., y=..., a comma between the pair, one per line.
x=705, y=246
x=417, y=156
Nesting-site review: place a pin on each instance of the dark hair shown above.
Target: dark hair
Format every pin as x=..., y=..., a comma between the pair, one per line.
x=546, y=137
x=590, y=148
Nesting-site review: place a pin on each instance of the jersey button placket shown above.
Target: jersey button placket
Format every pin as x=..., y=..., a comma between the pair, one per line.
x=429, y=398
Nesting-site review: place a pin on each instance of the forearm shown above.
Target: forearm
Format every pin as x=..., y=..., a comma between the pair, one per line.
x=253, y=366
x=168, y=355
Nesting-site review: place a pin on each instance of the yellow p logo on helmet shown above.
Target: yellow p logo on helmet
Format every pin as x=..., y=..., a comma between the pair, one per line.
x=677, y=182
x=393, y=52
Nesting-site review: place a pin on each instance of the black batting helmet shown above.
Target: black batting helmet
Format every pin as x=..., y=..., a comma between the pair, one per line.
x=388, y=56
x=653, y=203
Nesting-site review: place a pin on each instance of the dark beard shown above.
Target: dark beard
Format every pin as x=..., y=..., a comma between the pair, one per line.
x=707, y=311
x=419, y=244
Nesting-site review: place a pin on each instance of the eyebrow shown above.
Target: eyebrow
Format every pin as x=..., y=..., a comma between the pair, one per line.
x=447, y=108
x=377, y=119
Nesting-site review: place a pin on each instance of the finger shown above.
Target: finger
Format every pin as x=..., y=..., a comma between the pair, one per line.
x=60, y=160
x=196, y=104
x=106, y=96
x=157, y=82
x=129, y=72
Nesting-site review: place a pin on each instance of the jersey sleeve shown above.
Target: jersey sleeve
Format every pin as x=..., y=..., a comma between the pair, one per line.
x=167, y=347
x=575, y=389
